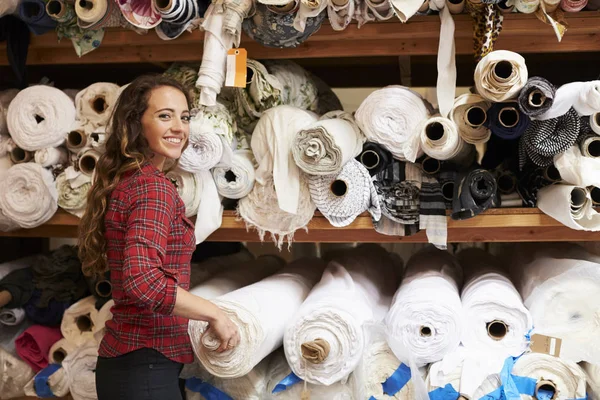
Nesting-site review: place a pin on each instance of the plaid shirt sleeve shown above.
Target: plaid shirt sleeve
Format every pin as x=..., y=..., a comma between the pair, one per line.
x=144, y=280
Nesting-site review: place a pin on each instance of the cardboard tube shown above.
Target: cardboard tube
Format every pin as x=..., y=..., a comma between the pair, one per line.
x=76, y=140
x=590, y=146
x=595, y=195
x=578, y=197
x=547, y=387
x=425, y=331
x=536, y=99
x=497, y=329
x=84, y=323
x=59, y=355
x=503, y=70
x=340, y=3
x=370, y=159
x=508, y=117
x=595, y=122
x=455, y=6
x=56, y=9
x=19, y=156
x=431, y=165
x=85, y=4
x=163, y=5
x=286, y=8
x=507, y=183
x=87, y=162
x=475, y=116
x=316, y=351
x=434, y=131
x=339, y=188
x=103, y=288
x=552, y=174
x=448, y=191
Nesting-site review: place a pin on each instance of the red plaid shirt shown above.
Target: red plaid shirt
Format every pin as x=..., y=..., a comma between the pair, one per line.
x=149, y=245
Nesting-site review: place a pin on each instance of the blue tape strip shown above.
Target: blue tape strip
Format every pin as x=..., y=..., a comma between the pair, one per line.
x=40, y=382
x=286, y=383
x=444, y=393
x=372, y=398
x=208, y=391
x=397, y=380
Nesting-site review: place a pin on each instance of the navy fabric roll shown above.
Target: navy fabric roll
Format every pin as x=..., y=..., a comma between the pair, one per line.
x=474, y=192
x=33, y=13
x=51, y=315
x=374, y=158
x=507, y=121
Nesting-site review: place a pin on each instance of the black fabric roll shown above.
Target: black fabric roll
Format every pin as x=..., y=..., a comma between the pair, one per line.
x=541, y=92
x=96, y=285
x=545, y=139
x=399, y=198
x=447, y=179
x=383, y=157
x=503, y=127
x=498, y=151
x=19, y=284
x=530, y=180
x=16, y=34
x=474, y=192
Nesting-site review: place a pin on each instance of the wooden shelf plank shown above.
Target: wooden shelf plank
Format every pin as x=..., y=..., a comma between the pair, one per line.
x=522, y=33
x=496, y=225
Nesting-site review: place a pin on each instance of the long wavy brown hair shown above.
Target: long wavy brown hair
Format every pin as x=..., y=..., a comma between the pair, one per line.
x=126, y=149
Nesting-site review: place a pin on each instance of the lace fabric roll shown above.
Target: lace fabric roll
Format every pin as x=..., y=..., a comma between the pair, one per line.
x=39, y=116
x=495, y=318
x=592, y=373
x=544, y=139
x=70, y=199
x=470, y=114
x=15, y=374
x=6, y=96
x=325, y=340
x=500, y=75
x=506, y=121
x=188, y=185
x=390, y=117
x=584, y=97
x=536, y=97
x=326, y=146
x=80, y=367
x=474, y=192
x=261, y=322
x=344, y=196
x=440, y=140
x=577, y=169
x=425, y=319
x=95, y=104
x=29, y=196
x=570, y=205
x=374, y=157
x=236, y=181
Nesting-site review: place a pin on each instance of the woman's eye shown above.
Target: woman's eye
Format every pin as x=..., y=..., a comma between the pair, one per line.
x=186, y=118
x=164, y=116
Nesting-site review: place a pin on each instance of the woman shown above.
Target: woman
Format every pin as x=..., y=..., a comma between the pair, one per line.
x=135, y=226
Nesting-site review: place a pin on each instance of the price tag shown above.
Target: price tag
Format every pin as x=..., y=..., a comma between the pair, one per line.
x=236, y=68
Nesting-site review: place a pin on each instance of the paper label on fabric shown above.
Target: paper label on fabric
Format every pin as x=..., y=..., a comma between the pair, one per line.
x=397, y=380
x=236, y=68
x=545, y=345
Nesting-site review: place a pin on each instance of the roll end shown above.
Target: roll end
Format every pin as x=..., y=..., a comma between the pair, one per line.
x=497, y=329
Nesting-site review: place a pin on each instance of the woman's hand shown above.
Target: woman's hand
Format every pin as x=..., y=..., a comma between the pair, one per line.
x=224, y=330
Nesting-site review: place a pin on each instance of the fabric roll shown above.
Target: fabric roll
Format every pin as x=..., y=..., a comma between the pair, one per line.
x=390, y=117
x=590, y=146
x=550, y=5
x=51, y=156
x=140, y=14
x=77, y=140
x=33, y=13
x=487, y=25
x=536, y=97
x=48, y=315
x=186, y=74
x=440, y=140
x=570, y=205
x=6, y=96
x=177, y=16
x=425, y=319
x=79, y=320
x=556, y=283
x=374, y=158
x=495, y=318
x=506, y=120
x=19, y=284
x=9, y=7
x=87, y=161
x=578, y=169
x=57, y=383
x=340, y=15
x=237, y=181
x=33, y=345
x=474, y=192
x=15, y=374
x=527, y=6
x=70, y=199
x=60, y=350
x=592, y=373
x=95, y=104
x=398, y=194
x=80, y=367
x=187, y=187
x=261, y=322
x=455, y=6
x=404, y=10
x=97, y=14
x=500, y=75
x=12, y=317
x=511, y=200
x=544, y=139
x=307, y=9
x=19, y=156
x=60, y=10
x=39, y=116
x=595, y=122
x=573, y=5
x=325, y=340
x=584, y=97
x=29, y=197
x=470, y=114
x=325, y=146
x=343, y=197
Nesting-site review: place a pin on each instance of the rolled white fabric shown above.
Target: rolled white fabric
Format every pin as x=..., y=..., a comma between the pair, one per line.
x=344, y=196
x=51, y=156
x=500, y=75
x=559, y=286
x=237, y=181
x=60, y=350
x=340, y=15
x=556, y=376
x=391, y=117
x=57, y=382
x=210, y=211
x=570, y=205
x=95, y=104
x=260, y=320
x=325, y=341
x=308, y=9
x=577, y=169
x=470, y=114
x=584, y=97
x=404, y=10
x=12, y=317
x=592, y=373
x=425, y=319
x=40, y=116
x=6, y=96
x=187, y=186
x=204, y=150
x=495, y=317
x=29, y=196
x=80, y=367
x=15, y=375
x=78, y=321
x=440, y=140
x=325, y=146
x=70, y=199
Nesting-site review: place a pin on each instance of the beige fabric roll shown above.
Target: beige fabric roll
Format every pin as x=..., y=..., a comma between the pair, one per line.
x=60, y=350
x=500, y=75
x=188, y=186
x=79, y=320
x=80, y=367
x=96, y=103
x=469, y=114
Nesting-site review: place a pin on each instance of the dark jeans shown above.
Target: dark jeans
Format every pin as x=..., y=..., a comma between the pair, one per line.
x=144, y=374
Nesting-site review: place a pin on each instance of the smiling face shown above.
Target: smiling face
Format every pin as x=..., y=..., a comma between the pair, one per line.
x=166, y=124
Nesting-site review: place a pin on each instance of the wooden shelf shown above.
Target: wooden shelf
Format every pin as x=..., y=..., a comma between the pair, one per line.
x=496, y=225
x=522, y=33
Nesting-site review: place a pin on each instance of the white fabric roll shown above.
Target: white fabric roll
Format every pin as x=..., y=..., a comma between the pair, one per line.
x=495, y=317
x=469, y=132
x=6, y=96
x=77, y=319
x=80, y=367
x=204, y=150
x=95, y=104
x=271, y=143
x=356, y=289
x=28, y=196
x=187, y=187
x=15, y=375
x=51, y=156
x=449, y=146
x=70, y=199
x=12, y=317
x=584, y=97
x=340, y=16
x=60, y=350
x=391, y=117
x=497, y=88
x=570, y=205
x=405, y=9
x=308, y=9
x=592, y=373
x=260, y=320
x=425, y=319
x=242, y=182
x=577, y=169
x=559, y=285
x=324, y=147
x=40, y=116
x=57, y=382
x=567, y=377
